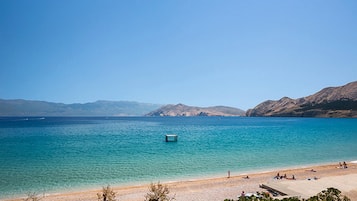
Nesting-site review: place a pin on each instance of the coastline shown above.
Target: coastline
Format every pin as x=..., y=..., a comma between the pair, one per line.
x=220, y=188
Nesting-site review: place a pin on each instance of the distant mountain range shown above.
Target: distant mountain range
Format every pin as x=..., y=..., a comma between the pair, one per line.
x=329, y=102
x=21, y=107
x=98, y=108
x=184, y=110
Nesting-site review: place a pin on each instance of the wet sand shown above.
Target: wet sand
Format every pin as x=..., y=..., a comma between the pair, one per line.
x=218, y=189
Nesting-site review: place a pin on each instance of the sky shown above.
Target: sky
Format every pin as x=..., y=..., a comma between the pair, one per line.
x=196, y=52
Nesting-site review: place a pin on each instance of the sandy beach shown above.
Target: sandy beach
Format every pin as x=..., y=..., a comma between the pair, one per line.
x=308, y=181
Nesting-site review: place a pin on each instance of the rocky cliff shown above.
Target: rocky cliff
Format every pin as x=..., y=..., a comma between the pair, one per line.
x=329, y=102
x=184, y=110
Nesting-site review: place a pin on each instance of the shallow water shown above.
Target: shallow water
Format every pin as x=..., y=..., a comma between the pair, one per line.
x=61, y=154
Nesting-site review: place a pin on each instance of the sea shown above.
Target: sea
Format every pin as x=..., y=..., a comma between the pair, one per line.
x=63, y=154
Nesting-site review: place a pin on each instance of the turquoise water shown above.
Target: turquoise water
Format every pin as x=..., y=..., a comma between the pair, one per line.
x=47, y=155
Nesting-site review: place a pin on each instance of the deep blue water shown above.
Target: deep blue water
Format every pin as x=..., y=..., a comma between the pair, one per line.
x=53, y=154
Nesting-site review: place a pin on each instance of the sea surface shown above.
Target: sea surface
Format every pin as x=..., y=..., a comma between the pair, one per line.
x=61, y=154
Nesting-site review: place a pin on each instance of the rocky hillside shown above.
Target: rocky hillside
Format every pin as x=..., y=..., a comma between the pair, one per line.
x=329, y=102
x=184, y=110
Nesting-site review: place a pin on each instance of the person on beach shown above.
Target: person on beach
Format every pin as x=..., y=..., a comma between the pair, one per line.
x=344, y=164
x=229, y=174
x=104, y=197
x=277, y=176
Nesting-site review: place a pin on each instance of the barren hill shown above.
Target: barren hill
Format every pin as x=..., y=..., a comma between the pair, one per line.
x=184, y=110
x=329, y=102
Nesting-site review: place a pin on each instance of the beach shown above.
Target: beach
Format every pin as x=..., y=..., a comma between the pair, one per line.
x=309, y=180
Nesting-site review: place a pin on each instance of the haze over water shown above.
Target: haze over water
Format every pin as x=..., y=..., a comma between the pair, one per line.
x=47, y=155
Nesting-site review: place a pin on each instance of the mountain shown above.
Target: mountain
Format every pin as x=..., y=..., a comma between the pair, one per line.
x=99, y=108
x=184, y=110
x=329, y=102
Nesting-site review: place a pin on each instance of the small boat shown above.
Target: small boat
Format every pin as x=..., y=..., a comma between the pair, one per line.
x=171, y=138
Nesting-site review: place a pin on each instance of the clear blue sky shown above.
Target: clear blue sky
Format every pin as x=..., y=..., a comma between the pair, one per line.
x=196, y=52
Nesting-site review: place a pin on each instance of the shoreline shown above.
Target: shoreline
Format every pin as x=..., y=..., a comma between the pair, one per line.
x=186, y=178
x=216, y=187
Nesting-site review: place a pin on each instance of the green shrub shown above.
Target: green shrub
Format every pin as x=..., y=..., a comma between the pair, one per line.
x=331, y=194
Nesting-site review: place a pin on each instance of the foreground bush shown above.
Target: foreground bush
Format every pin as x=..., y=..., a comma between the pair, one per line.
x=331, y=194
x=107, y=194
x=158, y=192
x=33, y=197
